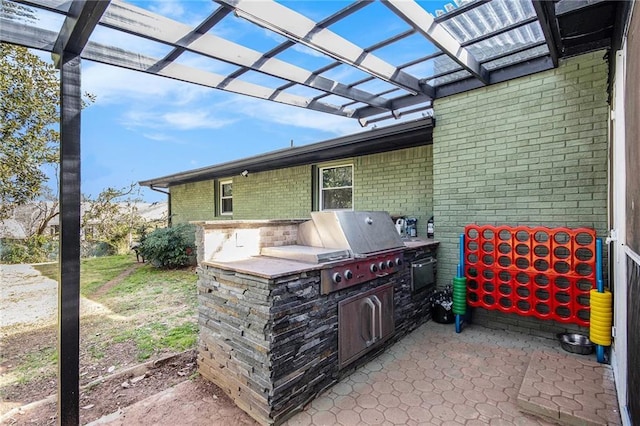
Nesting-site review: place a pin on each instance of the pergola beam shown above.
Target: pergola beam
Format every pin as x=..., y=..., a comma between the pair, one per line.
x=140, y=22
x=81, y=20
x=418, y=18
x=300, y=29
x=545, y=10
x=125, y=17
x=124, y=59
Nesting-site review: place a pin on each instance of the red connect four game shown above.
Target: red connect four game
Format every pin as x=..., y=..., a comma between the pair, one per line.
x=542, y=272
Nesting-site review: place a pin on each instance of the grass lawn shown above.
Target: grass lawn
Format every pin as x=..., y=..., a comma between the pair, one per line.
x=94, y=272
x=148, y=313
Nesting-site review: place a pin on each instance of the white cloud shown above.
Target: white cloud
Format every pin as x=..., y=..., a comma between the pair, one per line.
x=194, y=120
x=174, y=120
x=160, y=137
x=169, y=8
x=292, y=116
x=119, y=85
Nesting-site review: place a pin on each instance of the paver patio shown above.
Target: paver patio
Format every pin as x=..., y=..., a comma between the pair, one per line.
x=434, y=376
x=437, y=377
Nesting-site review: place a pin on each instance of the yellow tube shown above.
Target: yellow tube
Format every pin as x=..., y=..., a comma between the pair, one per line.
x=601, y=318
x=594, y=328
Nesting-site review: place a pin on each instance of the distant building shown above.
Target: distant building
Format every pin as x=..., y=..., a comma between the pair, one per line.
x=25, y=220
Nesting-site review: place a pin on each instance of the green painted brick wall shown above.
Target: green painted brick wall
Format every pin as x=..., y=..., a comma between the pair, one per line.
x=193, y=201
x=275, y=194
x=531, y=151
x=400, y=182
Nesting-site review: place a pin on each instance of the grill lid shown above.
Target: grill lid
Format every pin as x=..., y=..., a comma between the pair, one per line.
x=360, y=232
x=305, y=253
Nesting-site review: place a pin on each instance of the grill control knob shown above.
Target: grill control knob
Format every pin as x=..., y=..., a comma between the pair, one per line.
x=382, y=266
x=390, y=264
x=348, y=274
x=373, y=268
x=337, y=278
x=398, y=261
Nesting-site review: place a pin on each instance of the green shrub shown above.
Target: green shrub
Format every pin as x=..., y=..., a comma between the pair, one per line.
x=173, y=247
x=13, y=252
x=34, y=249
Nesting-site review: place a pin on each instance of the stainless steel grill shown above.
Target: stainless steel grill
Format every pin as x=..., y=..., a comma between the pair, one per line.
x=362, y=246
x=360, y=232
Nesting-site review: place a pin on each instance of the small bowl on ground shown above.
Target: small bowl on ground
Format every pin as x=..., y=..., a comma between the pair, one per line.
x=576, y=343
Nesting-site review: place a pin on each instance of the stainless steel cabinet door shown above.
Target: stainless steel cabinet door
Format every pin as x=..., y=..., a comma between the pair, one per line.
x=364, y=322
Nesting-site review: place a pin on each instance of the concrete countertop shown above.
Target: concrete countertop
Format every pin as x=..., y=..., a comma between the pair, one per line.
x=419, y=242
x=265, y=267
x=273, y=267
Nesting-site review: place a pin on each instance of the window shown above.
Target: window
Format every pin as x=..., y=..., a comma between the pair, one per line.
x=226, y=197
x=336, y=187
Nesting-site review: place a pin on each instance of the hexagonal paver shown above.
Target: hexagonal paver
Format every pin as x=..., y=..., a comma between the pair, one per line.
x=467, y=411
x=348, y=418
x=411, y=399
x=423, y=385
x=403, y=387
x=443, y=385
x=372, y=417
x=345, y=402
x=431, y=398
x=324, y=418
x=362, y=388
x=481, y=382
x=397, y=375
x=495, y=395
x=366, y=401
x=388, y=401
x=322, y=403
x=443, y=413
x=419, y=414
x=396, y=416
x=547, y=389
x=453, y=396
x=342, y=389
x=566, y=404
x=383, y=387
x=488, y=410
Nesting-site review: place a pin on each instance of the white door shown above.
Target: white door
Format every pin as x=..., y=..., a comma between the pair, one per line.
x=619, y=255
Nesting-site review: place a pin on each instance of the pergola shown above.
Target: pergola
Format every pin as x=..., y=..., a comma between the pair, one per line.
x=314, y=64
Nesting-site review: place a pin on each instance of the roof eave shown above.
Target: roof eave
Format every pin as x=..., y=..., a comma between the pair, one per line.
x=404, y=135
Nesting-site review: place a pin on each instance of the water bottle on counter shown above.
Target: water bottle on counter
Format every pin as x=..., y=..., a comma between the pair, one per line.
x=412, y=227
x=430, y=228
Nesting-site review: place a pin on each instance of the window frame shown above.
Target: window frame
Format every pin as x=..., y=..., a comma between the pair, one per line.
x=222, y=197
x=321, y=189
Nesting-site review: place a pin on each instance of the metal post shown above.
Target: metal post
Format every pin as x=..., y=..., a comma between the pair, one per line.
x=69, y=287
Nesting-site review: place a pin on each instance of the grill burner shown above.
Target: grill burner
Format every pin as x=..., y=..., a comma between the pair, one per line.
x=359, y=271
x=369, y=238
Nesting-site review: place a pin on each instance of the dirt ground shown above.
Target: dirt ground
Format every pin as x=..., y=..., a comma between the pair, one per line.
x=105, y=389
x=121, y=390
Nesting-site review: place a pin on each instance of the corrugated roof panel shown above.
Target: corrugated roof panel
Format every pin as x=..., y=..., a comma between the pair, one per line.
x=517, y=57
x=488, y=17
x=449, y=78
x=511, y=40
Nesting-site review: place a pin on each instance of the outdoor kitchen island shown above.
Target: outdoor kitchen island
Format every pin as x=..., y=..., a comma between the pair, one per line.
x=276, y=331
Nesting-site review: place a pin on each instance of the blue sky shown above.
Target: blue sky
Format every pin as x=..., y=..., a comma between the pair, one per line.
x=144, y=126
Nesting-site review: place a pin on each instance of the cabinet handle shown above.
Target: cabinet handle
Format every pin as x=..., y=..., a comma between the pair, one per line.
x=373, y=321
x=379, y=303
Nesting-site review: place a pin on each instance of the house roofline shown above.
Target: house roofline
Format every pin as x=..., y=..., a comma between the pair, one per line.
x=390, y=138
